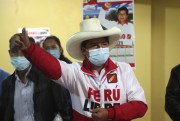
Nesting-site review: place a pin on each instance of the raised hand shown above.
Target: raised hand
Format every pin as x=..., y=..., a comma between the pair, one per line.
x=23, y=42
x=25, y=39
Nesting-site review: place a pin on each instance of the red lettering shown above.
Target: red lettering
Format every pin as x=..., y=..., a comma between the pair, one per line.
x=96, y=95
x=116, y=94
x=107, y=95
x=31, y=32
x=90, y=93
x=122, y=36
x=128, y=36
x=110, y=95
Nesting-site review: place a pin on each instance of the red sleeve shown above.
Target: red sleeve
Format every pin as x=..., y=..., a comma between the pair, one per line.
x=44, y=61
x=127, y=111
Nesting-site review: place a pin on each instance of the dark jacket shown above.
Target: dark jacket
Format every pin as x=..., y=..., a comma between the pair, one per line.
x=3, y=75
x=49, y=98
x=172, y=98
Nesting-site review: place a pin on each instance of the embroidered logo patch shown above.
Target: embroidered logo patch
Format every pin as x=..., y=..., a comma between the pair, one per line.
x=112, y=78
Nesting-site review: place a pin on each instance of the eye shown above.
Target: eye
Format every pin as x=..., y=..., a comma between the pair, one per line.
x=13, y=51
x=46, y=48
x=105, y=44
x=54, y=47
x=93, y=46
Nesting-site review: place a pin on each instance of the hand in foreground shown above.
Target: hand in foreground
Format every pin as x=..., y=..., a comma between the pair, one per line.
x=99, y=114
x=25, y=38
x=22, y=43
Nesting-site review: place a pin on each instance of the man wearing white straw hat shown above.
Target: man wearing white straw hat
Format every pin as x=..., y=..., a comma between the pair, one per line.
x=101, y=89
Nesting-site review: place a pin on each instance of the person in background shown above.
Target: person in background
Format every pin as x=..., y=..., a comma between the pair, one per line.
x=172, y=97
x=101, y=89
x=31, y=39
x=52, y=45
x=28, y=95
x=40, y=43
x=3, y=75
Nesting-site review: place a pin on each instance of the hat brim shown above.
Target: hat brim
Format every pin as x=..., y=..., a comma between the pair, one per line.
x=73, y=45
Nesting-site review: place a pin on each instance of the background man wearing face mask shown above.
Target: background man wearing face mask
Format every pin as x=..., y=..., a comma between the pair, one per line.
x=101, y=89
x=27, y=95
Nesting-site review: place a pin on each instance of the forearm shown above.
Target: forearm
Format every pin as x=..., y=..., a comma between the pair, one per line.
x=127, y=111
x=41, y=59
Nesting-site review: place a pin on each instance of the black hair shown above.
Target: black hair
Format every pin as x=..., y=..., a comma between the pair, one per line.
x=11, y=39
x=19, y=34
x=123, y=8
x=83, y=44
x=31, y=39
x=56, y=39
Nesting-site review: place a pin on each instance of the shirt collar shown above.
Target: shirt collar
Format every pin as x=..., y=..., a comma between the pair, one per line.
x=87, y=68
x=126, y=22
x=17, y=76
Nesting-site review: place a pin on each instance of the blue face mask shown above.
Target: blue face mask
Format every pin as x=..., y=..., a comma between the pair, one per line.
x=54, y=53
x=20, y=62
x=98, y=56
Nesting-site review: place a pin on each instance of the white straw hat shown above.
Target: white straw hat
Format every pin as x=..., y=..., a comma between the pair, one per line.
x=90, y=29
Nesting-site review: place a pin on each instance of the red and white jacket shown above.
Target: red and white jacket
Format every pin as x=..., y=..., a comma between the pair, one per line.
x=115, y=88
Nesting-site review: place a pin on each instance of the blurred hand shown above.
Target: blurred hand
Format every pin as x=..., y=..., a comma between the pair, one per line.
x=99, y=114
x=22, y=43
x=25, y=39
x=108, y=5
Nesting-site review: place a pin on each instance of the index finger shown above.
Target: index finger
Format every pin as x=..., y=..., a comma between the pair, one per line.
x=24, y=34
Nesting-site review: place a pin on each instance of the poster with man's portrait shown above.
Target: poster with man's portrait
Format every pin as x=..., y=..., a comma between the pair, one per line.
x=119, y=13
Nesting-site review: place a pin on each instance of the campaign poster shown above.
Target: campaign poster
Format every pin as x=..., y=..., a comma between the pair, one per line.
x=119, y=13
x=39, y=34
